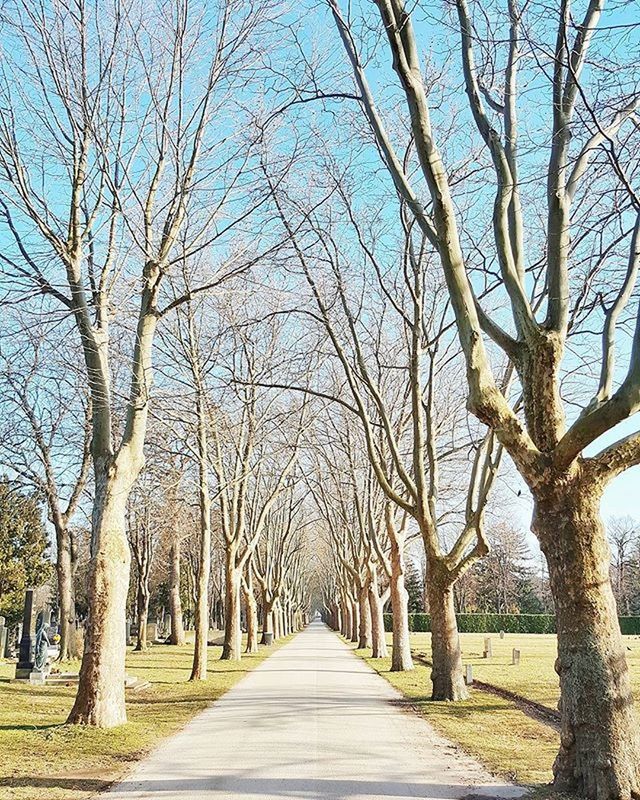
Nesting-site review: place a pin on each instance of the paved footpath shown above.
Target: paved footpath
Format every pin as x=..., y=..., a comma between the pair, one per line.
x=313, y=721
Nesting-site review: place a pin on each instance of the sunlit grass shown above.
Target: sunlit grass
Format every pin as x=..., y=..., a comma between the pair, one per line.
x=496, y=731
x=43, y=757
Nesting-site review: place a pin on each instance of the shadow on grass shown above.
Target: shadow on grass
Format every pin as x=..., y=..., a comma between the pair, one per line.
x=44, y=782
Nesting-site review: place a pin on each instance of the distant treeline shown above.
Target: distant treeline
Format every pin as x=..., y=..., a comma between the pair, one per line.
x=509, y=623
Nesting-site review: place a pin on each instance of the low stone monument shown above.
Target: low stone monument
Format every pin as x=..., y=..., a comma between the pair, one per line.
x=488, y=651
x=468, y=674
x=515, y=657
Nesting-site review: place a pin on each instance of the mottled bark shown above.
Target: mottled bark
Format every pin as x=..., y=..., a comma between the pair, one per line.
x=600, y=741
x=378, y=640
x=401, y=647
x=232, y=648
x=446, y=672
x=66, y=594
x=100, y=700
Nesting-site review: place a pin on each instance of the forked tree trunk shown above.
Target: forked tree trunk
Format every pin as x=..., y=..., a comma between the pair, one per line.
x=66, y=595
x=177, y=636
x=100, y=700
x=364, y=618
x=401, y=660
x=378, y=640
x=252, y=617
x=232, y=649
x=600, y=740
x=446, y=673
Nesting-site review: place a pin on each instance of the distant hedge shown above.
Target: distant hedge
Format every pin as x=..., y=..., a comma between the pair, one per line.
x=509, y=623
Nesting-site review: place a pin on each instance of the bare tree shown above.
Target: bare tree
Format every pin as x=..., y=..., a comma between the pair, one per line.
x=105, y=139
x=394, y=382
x=588, y=135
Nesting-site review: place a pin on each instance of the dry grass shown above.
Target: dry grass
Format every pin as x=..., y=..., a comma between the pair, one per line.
x=43, y=757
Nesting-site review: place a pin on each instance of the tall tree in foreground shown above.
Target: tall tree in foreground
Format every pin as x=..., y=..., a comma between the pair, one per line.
x=584, y=123
x=102, y=146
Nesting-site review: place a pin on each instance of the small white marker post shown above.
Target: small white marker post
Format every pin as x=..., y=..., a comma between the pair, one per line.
x=515, y=657
x=502, y=634
x=468, y=676
x=488, y=652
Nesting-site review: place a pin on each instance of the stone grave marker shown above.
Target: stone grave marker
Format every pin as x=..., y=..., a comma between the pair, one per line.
x=502, y=634
x=488, y=650
x=515, y=657
x=152, y=631
x=468, y=675
x=26, y=655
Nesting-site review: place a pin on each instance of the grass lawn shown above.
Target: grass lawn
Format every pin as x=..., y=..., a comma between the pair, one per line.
x=511, y=744
x=535, y=677
x=42, y=757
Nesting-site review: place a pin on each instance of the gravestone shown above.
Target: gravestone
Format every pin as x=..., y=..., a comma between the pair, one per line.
x=488, y=651
x=152, y=631
x=502, y=634
x=468, y=675
x=3, y=636
x=26, y=656
x=9, y=650
x=515, y=657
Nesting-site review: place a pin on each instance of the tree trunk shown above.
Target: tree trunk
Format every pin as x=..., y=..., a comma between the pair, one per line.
x=599, y=754
x=66, y=598
x=231, y=650
x=252, y=616
x=267, y=618
x=446, y=674
x=364, y=618
x=378, y=640
x=346, y=618
x=199, y=668
x=143, y=614
x=401, y=660
x=177, y=636
x=355, y=620
x=100, y=700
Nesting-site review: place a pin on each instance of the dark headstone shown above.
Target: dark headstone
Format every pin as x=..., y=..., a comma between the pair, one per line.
x=24, y=666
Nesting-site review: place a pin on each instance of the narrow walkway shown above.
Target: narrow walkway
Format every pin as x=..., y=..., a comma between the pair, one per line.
x=313, y=721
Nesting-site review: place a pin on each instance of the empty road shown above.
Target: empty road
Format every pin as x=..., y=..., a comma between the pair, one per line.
x=312, y=721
